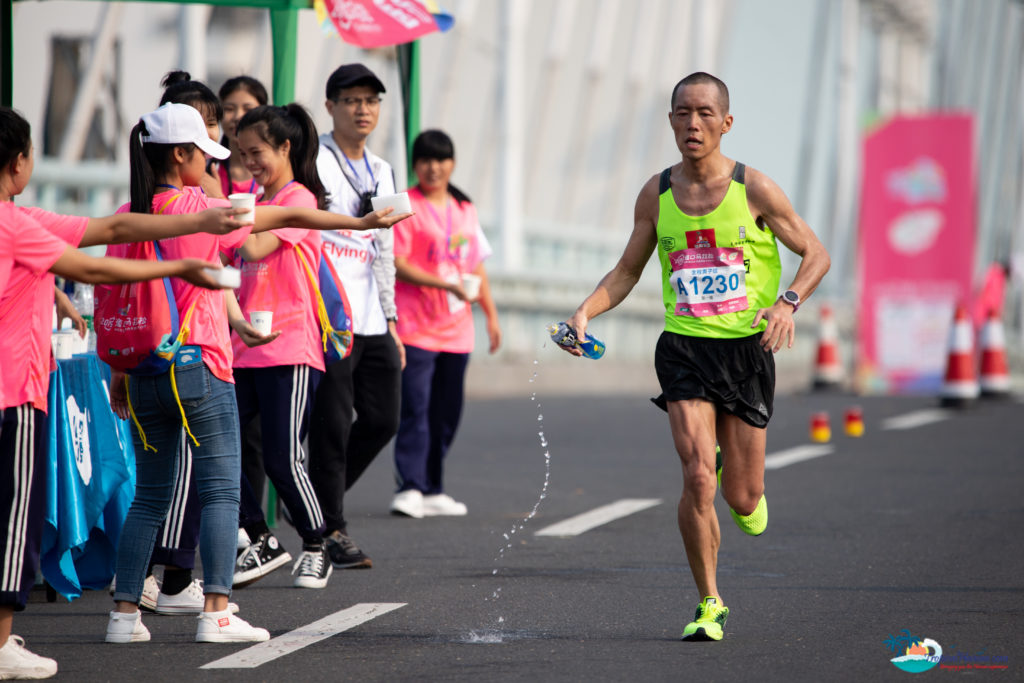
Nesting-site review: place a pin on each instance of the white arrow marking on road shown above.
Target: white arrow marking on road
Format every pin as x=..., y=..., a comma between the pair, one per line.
x=574, y=526
x=791, y=456
x=918, y=418
x=261, y=653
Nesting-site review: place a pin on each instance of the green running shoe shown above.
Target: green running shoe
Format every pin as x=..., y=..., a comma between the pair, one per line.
x=756, y=522
x=718, y=464
x=708, y=622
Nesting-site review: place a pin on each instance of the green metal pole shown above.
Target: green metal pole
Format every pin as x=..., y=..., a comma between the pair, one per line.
x=409, y=68
x=284, y=24
x=7, y=53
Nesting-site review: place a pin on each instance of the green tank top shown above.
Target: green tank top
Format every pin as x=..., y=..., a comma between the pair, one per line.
x=717, y=270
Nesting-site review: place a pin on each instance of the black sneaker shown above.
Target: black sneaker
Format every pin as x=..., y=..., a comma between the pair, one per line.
x=345, y=554
x=313, y=567
x=259, y=559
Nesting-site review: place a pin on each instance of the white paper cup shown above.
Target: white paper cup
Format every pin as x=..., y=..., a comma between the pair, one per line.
x=226, y=276
x=471, y=285
x=399, y=202
x=65, y=345
x=244, y=200
x=262, y=321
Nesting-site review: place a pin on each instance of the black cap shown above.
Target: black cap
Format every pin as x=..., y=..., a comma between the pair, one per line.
x=351, y=75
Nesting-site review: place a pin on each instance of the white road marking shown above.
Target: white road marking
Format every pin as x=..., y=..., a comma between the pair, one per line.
x=574, y=526
x=918, y=418
x=791, y=456
x=261, y=653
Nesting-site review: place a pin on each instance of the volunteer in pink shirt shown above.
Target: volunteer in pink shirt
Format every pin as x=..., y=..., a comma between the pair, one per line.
x=168, y=162
x=433, y=251
x=238, y=96
x=276, y=382
x=32, y=242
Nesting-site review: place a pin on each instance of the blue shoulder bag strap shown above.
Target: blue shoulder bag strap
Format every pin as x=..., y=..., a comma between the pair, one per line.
x=172, y=304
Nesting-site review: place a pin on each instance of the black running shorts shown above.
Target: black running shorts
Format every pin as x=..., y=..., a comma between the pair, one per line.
x=737, y=375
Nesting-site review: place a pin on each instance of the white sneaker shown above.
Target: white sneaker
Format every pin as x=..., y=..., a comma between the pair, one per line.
x=225, y=627
x=150, y=592
x=17, y=661
x=189, y=601
x=126, y=628
x=312, y=569
x=408, y=503
x=443, y=504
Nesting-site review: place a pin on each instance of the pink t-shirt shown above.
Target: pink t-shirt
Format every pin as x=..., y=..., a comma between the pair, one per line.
x=279, y=283
x=229, y=186
x=26, y=305
x=445, y=243
x=209, y=322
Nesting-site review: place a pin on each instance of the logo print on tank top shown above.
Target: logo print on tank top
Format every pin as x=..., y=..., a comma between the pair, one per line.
x=700, y=239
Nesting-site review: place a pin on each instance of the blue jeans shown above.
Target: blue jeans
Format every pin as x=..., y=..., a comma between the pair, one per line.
x=212, y=415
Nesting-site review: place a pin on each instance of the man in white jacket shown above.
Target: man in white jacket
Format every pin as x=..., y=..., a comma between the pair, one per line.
x=357, y=403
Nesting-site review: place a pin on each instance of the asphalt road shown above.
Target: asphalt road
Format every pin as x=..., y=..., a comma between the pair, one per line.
x=915, y=529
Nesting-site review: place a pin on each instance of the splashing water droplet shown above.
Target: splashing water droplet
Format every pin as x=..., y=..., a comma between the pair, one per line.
x=493, y=572
x=539, y=418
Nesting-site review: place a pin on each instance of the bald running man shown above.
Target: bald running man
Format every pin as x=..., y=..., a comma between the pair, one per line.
x=715, y=223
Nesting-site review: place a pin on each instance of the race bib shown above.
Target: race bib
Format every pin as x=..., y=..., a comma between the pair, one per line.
x=709, y=281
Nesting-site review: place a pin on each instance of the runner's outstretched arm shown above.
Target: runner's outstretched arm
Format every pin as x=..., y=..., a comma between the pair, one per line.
x=616, y=285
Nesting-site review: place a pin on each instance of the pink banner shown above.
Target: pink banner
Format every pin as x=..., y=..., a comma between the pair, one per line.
x=915, y=249
x=377, y=23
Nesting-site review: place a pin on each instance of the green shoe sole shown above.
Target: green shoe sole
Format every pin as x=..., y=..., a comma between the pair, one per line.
x=756, y=522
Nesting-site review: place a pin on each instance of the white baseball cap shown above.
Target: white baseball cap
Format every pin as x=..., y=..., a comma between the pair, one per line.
x=174, y=124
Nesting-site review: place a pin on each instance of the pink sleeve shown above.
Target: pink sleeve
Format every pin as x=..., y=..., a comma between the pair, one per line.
x=70, y=229
x=302, y=197
x=35, y=247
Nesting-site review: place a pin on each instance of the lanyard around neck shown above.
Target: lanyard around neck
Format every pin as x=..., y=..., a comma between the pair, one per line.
x=278, y=193
x=447, y=225
x=373, y=180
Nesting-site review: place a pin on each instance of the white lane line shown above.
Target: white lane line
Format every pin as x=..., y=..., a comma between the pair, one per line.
x=791, y=456
x=261, y=653
x=918, y=418
x=574, y=526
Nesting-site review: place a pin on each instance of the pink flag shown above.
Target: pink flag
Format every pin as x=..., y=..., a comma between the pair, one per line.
x=377, y=23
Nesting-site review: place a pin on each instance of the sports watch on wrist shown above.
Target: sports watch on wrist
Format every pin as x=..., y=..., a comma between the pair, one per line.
x=791, y=298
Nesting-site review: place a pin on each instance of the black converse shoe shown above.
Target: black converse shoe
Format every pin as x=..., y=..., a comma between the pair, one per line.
x=345, y=554
x=259, y=559
x=313, y=567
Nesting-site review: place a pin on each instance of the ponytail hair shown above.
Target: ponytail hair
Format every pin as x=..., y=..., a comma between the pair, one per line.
x=179, y=88
x=291, y=123
x=15, y=136
x=435, y=144
x=146, y=161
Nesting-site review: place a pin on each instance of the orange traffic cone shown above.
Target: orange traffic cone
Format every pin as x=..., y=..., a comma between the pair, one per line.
x=828, y=369
x=960, y=385
x=995, y=371
x=821, y=430
x=853, y=421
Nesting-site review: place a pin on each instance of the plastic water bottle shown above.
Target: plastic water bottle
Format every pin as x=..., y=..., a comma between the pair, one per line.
x=564, y=335
x=84, y=303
